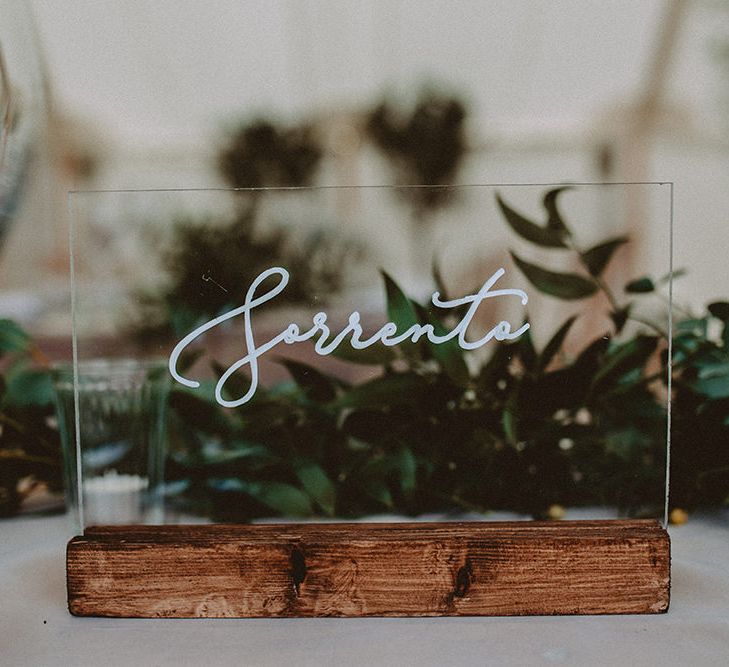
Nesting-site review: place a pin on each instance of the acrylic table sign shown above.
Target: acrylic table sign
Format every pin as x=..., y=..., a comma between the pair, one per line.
x=369, y=401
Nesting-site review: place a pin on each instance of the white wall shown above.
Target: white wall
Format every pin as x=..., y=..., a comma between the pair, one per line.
x=159, y=79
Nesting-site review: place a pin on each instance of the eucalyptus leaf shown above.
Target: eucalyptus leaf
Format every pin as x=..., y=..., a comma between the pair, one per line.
x=547, y=237
x=567, y=286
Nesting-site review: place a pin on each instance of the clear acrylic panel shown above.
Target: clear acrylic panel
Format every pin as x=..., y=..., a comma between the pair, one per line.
x=471, y=352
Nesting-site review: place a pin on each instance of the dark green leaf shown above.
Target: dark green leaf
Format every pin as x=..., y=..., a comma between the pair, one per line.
x=449, y=354
x=317, y=386
x=713, y=387
x=12, y=337
x=713, y=369
x=626, y=442
x=675, y=274
x=318, y=486
x=29, y=387
x=376, y=355
x=696, y=327
x=407, y=466
x=188, y=358
x=554, y=218
x=400, y=309
x=237, y=452
x=640, y=286
x=236, y=385
x=568, y=387
x=566, y=286
x=542, y=236
x=527, y=351
x=197, y=408
x=555, y=343
x=377, y=489
x=386, y=391
x=620, y=317
x=597, y=258
x=439, y=282
x=509, y=421
x=626, y=357
x=720, y=310
x=589, y=359
x=283, y=498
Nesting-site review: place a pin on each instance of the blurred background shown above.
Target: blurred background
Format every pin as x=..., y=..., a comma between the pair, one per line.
x=129, y=95
x=149, y=94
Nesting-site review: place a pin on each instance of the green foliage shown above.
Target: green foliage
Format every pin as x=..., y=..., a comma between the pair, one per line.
x=548, y=236
x=562, y=285
x=30, y=451
x=208, y=266
x=640, y=286
x=208, y=263
x=699, y=451
x=261, y=154
x=597, y=258
x=12, y=337
x=425, y=145
x=526, y=429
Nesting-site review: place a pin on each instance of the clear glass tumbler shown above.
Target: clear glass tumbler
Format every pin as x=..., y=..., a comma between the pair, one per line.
x=122, y=409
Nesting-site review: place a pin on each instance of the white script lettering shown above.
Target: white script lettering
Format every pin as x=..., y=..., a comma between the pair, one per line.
x=387, y=335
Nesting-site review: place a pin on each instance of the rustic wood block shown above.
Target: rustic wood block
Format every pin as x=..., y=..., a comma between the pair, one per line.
x=401, y=569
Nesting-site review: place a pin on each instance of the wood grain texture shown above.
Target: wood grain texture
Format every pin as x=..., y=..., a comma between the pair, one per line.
x=402, y=569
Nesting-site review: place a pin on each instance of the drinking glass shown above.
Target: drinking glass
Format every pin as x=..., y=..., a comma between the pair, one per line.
x=112, y=419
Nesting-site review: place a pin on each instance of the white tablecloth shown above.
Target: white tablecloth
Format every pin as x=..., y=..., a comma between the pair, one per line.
x=36, y=629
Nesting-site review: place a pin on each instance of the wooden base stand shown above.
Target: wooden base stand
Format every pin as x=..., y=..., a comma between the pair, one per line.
x=406, y=569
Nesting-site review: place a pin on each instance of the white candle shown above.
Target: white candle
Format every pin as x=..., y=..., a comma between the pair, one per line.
x=114, y=499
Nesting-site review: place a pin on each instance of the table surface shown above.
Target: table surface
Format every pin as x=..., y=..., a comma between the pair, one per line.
x=36, y=629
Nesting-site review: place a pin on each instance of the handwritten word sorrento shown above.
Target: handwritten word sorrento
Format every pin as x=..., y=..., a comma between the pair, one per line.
x=325, y=344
